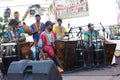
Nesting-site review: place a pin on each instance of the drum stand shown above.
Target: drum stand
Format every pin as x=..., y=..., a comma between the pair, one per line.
x=91, y=54
x=80, y=50
x=98, y=51
x=104, y=42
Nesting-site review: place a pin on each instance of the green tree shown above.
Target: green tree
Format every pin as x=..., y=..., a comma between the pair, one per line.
x=3, y=24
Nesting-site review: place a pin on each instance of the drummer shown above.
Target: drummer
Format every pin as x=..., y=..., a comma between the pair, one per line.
x=91, y=35
x=48, y=37
x=14, y=33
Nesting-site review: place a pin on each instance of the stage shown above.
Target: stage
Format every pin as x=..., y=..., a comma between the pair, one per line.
x=106, y=73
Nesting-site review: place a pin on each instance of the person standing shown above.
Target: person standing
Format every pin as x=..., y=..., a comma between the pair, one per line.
x=37, y=28
x=16, y=16
x=48, y=37
x=60, y=30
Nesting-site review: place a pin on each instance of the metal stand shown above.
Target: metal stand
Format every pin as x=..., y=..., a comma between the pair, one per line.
x=80, y=49
x=104, y=42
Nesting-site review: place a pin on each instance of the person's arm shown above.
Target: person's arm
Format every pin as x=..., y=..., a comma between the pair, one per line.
x=5, y=37
x=54, y=29
x=100, y=36
x=64, y=30
x=21, y=37
x=42, y=37
x=86, y=39
x=43, y=27
x=32, y=27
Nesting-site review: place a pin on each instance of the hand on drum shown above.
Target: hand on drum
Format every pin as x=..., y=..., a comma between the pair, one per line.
x=35, y=31
x=87, y=48
x=15, y=40
x=53, y=44
x=6, y=40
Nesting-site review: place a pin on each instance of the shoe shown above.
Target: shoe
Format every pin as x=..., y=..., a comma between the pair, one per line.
x=60, y=69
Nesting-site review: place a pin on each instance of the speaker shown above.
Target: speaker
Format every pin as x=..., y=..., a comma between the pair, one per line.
x=33, y=70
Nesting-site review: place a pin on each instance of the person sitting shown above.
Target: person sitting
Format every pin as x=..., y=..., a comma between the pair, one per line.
x=93, y=43
x=48, y=37
x=13, y=35
x=91, y=35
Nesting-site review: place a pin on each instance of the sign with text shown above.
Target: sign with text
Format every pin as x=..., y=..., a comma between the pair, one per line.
x=71, y=8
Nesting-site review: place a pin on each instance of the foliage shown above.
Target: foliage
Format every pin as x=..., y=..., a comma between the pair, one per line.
x=3, y=23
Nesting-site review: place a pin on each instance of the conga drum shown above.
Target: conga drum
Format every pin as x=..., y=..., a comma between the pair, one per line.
x=9, y=51
x=117, y=56
x=109, y=51
x=25, y=50
x=65, y=51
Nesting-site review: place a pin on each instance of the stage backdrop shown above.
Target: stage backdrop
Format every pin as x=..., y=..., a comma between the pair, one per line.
x=71, y=8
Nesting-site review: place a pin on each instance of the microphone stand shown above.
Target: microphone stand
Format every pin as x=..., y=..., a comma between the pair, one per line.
x=80, y=47
x=97, y=48
x=69, y=32
x=18, y=45
x=92, y=53
x=104, y=43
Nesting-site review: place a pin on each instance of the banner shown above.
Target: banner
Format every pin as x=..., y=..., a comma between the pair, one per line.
x=71, y=8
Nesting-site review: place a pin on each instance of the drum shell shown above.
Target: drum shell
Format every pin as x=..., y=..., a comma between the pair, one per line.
x=9, y=54
x=65, y=51
x=109, y=51
x=9, y=50
x=117, y=56
x=25, y=50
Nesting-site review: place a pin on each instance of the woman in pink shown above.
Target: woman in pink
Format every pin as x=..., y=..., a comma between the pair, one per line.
x=48, y=37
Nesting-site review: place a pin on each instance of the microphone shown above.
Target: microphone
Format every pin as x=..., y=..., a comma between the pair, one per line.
x=102, y=26
x=104, y=29
x=79, y=31
x=67, y=33
x=70, y=30
x=68, y=25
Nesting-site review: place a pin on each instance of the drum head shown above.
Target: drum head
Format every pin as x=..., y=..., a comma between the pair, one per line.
x=117, y=53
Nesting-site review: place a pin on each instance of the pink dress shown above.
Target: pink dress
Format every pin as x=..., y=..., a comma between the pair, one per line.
x=47, y=40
